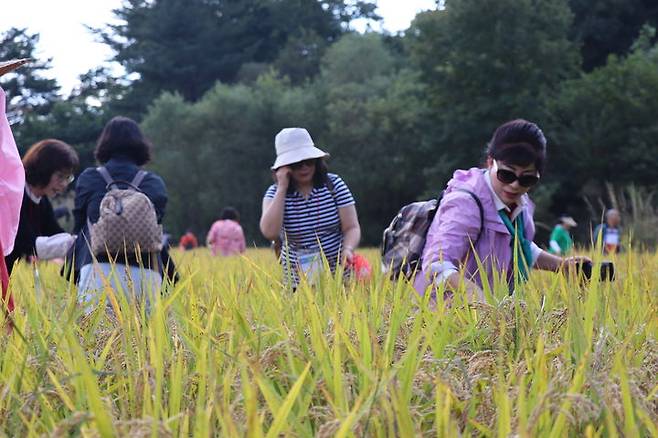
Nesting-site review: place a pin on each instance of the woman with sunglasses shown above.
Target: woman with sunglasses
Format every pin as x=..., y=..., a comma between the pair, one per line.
x=309, y=210
x=499, y=228
x=49, y=166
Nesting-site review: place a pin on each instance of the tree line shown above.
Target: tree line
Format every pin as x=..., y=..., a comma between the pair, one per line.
x=397, y=112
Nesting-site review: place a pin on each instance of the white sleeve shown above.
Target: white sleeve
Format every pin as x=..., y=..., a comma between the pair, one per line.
x=536, y=251
x=52, y=247
x=441, y=271
x=555, y=247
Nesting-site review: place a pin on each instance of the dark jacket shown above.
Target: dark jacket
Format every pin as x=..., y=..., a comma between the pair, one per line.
x=37, y=219
x=89, y=192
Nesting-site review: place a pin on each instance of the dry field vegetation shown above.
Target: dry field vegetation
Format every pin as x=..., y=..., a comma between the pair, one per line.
x=229, y=352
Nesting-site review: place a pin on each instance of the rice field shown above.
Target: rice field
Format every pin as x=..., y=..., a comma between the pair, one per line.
x=228, y=351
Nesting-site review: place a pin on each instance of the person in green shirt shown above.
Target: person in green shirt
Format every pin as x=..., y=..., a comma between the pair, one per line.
x=561, y=242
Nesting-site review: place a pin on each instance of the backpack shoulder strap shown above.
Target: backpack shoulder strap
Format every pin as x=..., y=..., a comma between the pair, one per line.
x=139, y=177
x=435, y=209
x=330, y=185
x=105, y=174
x=479, y=204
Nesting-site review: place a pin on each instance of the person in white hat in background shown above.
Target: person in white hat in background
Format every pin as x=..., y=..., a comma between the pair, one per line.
x=561, y=242
x=312, y=212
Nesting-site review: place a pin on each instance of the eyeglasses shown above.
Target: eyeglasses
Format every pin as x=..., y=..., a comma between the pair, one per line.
x=309, y=163
x=68, y=179
x=506, y=176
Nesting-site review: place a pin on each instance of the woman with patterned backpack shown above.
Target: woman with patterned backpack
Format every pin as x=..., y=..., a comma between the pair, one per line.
x=463, y=235
x=118, y=209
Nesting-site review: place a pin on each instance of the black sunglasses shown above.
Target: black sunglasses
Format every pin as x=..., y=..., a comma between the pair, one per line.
x=310, y=162
x=508, y=177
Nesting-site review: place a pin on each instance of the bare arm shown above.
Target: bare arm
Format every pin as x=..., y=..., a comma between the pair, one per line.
x=549, y=262
x=349, y=224
x=271, y=219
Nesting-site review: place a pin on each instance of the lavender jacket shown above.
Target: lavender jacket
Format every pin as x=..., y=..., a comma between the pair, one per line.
x=457, y=223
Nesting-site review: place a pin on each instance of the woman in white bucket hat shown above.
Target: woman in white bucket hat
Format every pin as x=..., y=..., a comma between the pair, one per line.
x=311, y=211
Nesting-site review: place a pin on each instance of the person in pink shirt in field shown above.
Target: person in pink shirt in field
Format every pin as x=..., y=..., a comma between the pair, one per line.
x=226, y=237
x=12, y=185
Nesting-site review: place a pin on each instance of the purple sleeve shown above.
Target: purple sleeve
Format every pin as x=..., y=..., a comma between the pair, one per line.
x=455, y=225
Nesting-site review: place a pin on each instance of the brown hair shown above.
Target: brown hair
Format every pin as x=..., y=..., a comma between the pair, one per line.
x=45, y=158
x=121, y=136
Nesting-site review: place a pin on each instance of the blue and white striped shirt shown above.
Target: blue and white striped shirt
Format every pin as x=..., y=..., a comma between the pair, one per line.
x=312, y=224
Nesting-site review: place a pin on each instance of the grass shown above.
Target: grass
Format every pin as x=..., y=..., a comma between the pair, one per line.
x=229, y=352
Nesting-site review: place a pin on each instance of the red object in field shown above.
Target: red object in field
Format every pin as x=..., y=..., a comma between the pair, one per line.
x=361, y=267
x=188, y=241
x=4, y=278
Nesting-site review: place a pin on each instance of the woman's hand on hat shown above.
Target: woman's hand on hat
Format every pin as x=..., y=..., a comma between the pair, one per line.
x=283, y=176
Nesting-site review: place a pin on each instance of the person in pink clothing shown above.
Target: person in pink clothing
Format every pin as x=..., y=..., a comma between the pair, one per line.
x=515, y=161
x=226, y=237
x=12, y=184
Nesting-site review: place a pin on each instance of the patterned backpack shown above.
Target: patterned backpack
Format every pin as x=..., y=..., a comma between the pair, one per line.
x=127, y=219
x=404, y=239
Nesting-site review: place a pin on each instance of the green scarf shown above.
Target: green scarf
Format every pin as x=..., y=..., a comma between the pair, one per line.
x=524, y=256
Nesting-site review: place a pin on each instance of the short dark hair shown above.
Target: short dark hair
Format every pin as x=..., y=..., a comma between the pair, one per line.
x=518, y=142
x=230, y=213
x=46, y=157
x=121, y=136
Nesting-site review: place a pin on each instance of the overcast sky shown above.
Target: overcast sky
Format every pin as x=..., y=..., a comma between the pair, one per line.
x=64, y=38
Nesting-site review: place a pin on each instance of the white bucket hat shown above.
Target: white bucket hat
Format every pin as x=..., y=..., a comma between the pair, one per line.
x=568, y=220
x=294, y=145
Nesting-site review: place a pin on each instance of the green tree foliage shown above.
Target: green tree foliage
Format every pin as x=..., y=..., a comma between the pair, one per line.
x=187, y=45
x=485, y=62
x=29, y=93
x=79, y=118
x=398, y=113
x=604, y=123
x=218, y=151
x=299, y=58
x=374, y=131
x=36, y=111
x=609, y=27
